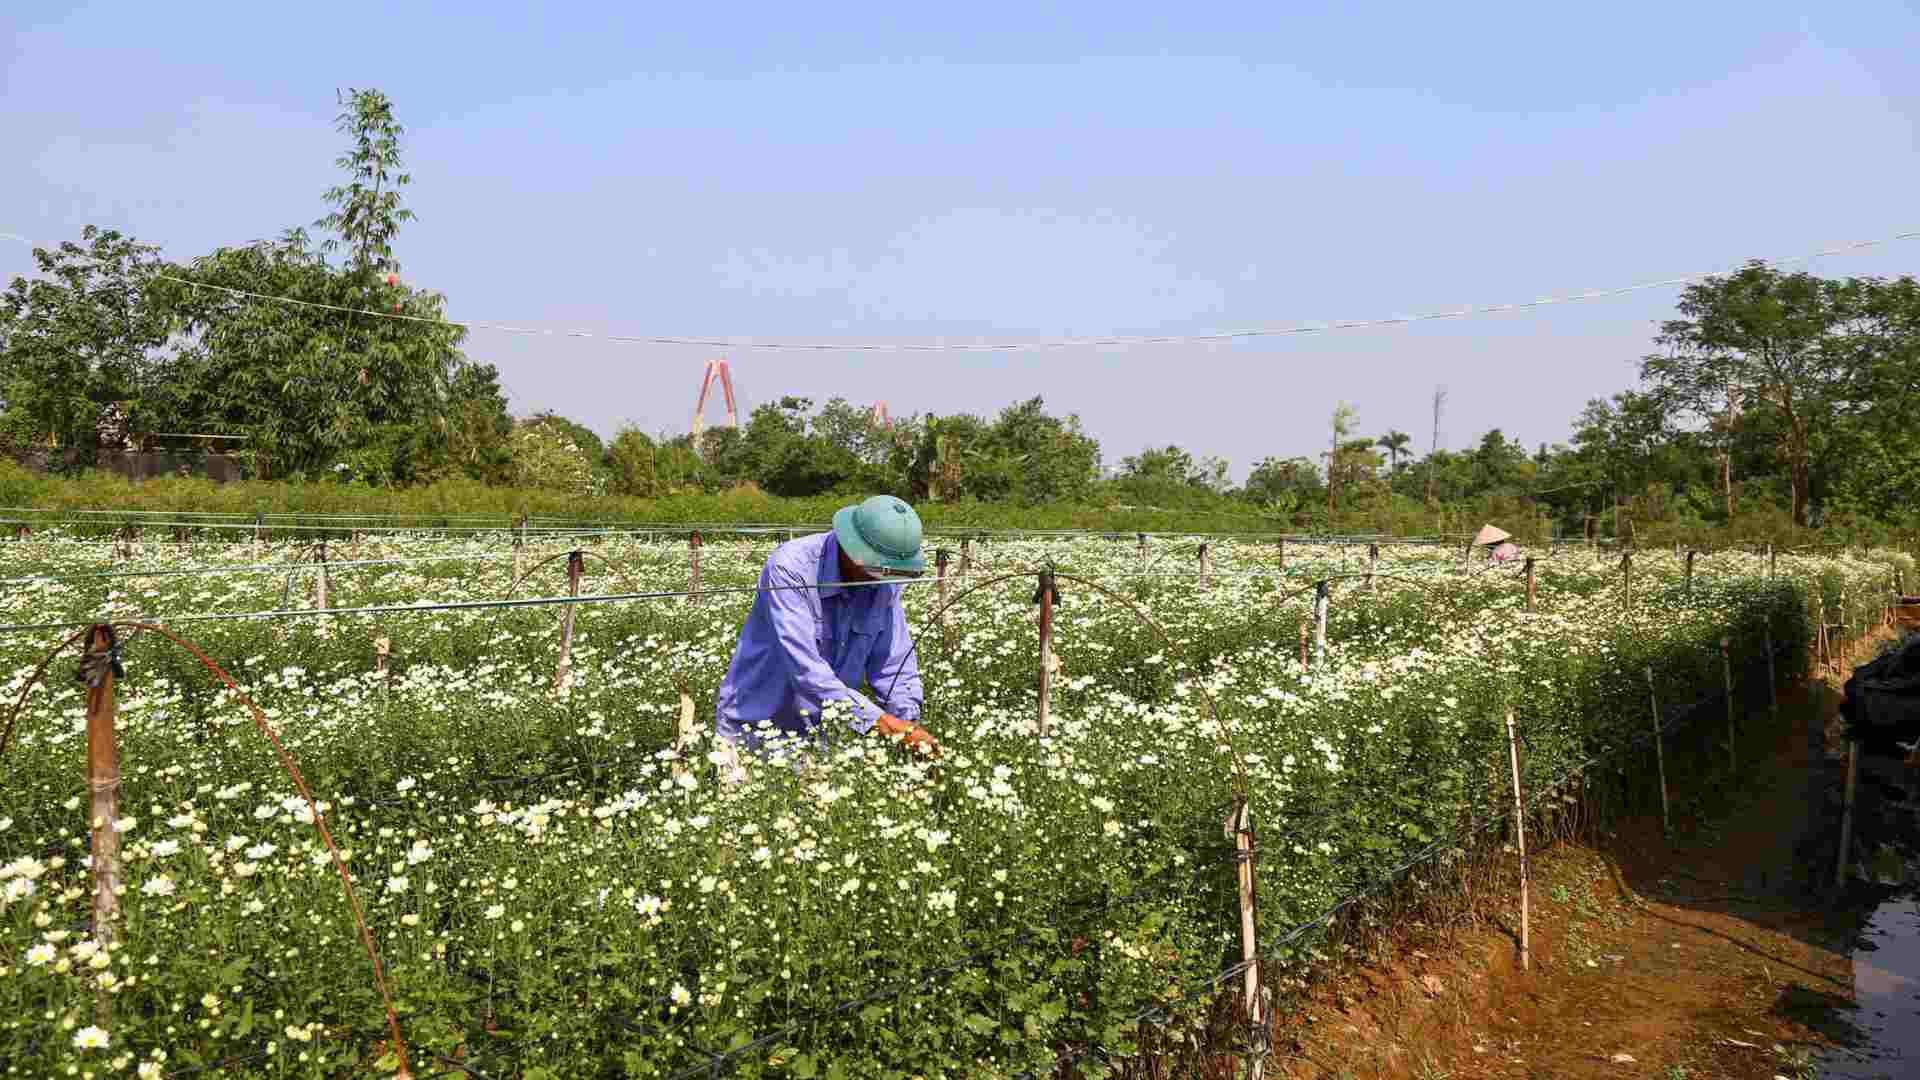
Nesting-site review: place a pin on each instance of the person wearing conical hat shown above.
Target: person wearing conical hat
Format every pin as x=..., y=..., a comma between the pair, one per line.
x=1498, y=542
x=826, y=622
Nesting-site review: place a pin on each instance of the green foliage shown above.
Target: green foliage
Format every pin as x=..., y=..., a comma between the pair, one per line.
x=547, y=459
x=83, y=334
x=367, y=211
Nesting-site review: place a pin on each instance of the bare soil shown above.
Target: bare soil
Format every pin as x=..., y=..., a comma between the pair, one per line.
x=1721, y=950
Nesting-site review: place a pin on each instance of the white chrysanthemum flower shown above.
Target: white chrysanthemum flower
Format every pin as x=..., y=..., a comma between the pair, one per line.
x=91, y=1038
x=397, y=884
x=681, y=995
x=42, y=954
x=158, y=886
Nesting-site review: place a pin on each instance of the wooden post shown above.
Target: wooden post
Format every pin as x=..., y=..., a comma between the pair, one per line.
x=320, y=578
x=1520, y=841
x=256, y=526
x=1846, y=814
x=1239, y=827
x=1321, y=599
x=1045, y=597
x=966, y=555
x=1283, y=552
x=1626, y=577
x=1820, y=630
x=1466, y=556
x=1303, y=646
x=1143, y=550
x=1659, y=754
x=1773, y=681
x=1726, y=669
x=1373, y=561
x=1690, y=555
x=103, y=788
x=940, y=574
x=519, y=558
x=1203, y=567
x=381, y=647
x=693, y=553
x=1529, y=583
x=1772, y=559
x=574, y=565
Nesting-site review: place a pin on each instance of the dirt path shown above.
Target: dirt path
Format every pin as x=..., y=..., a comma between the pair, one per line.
x=1713, y=953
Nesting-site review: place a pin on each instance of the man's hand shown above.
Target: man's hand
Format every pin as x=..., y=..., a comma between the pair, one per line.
x=890, y=725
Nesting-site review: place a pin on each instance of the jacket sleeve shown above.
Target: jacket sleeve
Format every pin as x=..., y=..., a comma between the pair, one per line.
x=794, y=626
x=892, y=668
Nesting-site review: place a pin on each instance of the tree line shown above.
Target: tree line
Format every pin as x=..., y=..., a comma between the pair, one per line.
x=1770, y=397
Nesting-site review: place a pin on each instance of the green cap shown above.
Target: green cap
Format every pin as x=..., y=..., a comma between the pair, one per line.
x=881, y=534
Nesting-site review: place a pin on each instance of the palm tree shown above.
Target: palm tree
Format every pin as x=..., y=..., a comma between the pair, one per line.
x=1394, y=443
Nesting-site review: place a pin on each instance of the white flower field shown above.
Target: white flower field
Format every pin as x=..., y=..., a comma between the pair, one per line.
x=554, y=890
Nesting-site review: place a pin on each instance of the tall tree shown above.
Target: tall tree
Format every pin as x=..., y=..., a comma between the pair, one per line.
x=1394, y=443
x=85, y=333
x=366, y=209
x=1341, y=426
x=1784, y=343
x=293, y=376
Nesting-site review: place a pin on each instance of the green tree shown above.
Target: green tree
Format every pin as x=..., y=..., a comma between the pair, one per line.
x=85, y=333
x=473, y=433
x=544, y=457
x=1340, y=426
x=1394, y=443
x=304, y=385
x=1778, y=344
x=1284, y=484
x=367, y=211
x=633, y=465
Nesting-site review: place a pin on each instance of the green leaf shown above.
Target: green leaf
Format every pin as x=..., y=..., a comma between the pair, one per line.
x=980, y=1025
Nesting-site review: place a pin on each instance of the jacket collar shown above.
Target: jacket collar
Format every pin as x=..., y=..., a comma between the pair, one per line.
x=829, y=569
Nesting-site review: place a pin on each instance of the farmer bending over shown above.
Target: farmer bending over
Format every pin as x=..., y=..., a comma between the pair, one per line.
x=818, y=631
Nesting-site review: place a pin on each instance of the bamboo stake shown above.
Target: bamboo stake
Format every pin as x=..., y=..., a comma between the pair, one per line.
x=1690, y=556
x=1303, y=646
x=1320, y=602
x=1726, y=669
x=1045, y=596
x=1520, y=841
x=1626, y=577
x=1773, y=681
x=1204, y=584
x=1846, y=815
x=1239, y=827
x=1529, y=583
x=966, y=555
x=693, y=553
x=940, y=575
x=574, y=566
x=1283, y=552
x=1659, y=755
x=1373, y=560
x=320, y=578
x=1143, y=550
x=103, y=788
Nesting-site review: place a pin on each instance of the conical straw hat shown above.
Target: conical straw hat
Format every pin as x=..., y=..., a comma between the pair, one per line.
x=1490, y=535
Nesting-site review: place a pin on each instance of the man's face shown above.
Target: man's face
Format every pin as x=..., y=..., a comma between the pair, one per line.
x=853, y=571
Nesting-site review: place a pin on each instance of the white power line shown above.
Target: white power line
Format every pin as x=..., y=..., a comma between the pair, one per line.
x=1016, y=346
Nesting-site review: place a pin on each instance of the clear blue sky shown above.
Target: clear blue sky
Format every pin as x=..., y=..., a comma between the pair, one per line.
x=984, y=171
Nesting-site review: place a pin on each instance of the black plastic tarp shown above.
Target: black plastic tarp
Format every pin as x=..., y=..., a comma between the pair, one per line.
x=1882, y=700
